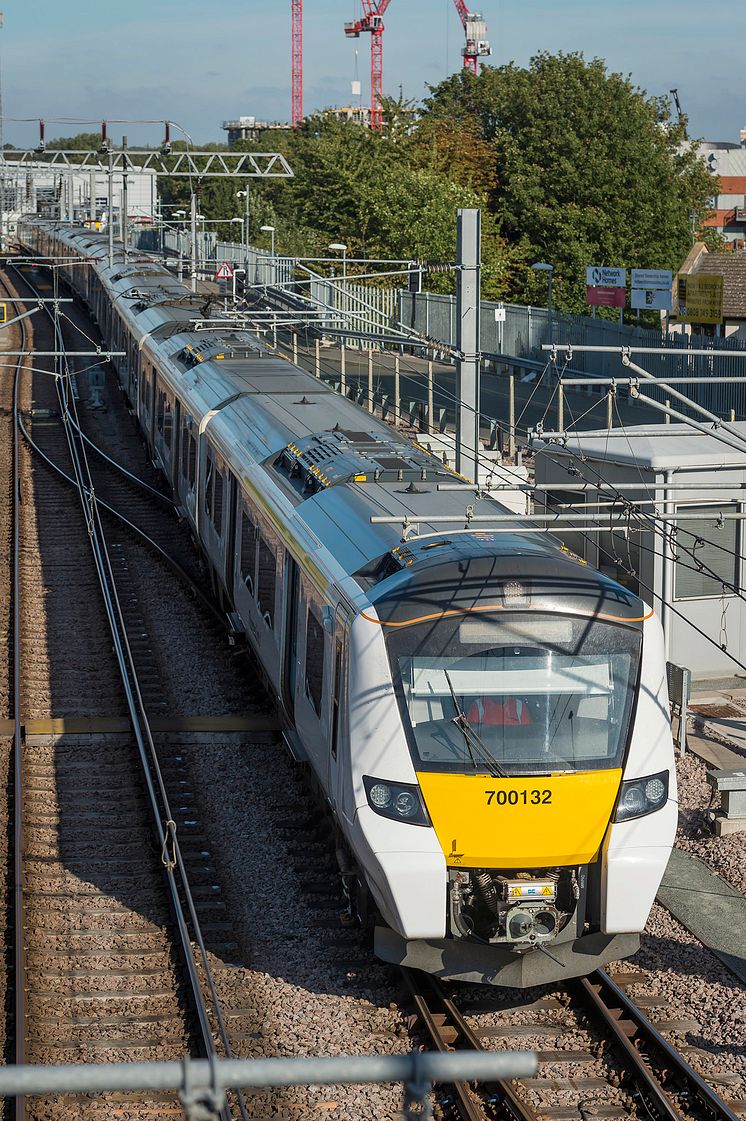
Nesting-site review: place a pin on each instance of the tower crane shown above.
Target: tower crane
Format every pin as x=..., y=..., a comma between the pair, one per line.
x=477, y=46
x=297, y=61
x=372, y=21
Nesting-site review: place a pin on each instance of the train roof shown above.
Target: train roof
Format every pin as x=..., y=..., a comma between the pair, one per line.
x=330, y=463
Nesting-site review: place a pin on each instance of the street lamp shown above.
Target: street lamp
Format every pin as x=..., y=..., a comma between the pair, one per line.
x=245, y=195
x=542, y=266
x=241, y=223
x=270, y=230
x=340, y=247
x=179, y=214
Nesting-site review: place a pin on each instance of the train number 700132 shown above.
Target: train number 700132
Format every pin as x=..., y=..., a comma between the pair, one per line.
x=519, y=797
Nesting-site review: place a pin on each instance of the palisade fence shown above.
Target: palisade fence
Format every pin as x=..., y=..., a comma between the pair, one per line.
x=525, y=329
x=261, y=266
x=517, y=338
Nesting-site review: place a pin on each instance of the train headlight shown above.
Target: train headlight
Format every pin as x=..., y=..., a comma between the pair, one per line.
x=396, y=800
x=379, y=796
x=642, y=796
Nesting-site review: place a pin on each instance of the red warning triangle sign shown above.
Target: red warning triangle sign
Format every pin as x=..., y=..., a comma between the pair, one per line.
x=225, y=272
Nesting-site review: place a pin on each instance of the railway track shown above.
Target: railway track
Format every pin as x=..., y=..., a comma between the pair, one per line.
x=88, y=789
x=657, y=1079
x=110, y=960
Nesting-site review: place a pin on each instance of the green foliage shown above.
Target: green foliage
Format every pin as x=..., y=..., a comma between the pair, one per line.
x=83, y=141
x=569, y=164
x=588, y=169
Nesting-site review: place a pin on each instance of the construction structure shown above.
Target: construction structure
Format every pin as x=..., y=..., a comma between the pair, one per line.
x=249, y=128
x=477, y=45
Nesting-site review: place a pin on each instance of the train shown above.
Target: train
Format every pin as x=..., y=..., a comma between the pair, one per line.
x=485, y=715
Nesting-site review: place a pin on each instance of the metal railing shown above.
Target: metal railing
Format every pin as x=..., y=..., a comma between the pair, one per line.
x=524, y=330
x=517, y=333
x=201, y=1083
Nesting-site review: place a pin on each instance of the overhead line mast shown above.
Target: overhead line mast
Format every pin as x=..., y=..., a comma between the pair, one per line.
x=297, y=62
x=477, y=45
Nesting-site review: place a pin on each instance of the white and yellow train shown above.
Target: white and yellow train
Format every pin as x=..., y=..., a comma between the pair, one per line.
x=486, y=715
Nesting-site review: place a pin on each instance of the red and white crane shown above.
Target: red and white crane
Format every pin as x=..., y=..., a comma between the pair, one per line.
x=297, y=62
x=477, y=45
x=372, y=21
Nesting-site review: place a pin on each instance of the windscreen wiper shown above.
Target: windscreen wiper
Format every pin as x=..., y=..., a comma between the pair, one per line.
x=472, y=738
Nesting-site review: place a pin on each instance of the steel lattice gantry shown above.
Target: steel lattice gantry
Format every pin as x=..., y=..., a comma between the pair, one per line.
x=184, y=165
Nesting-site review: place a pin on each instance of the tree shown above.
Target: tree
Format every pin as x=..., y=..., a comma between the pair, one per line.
x=383, y=195
x=587, y=168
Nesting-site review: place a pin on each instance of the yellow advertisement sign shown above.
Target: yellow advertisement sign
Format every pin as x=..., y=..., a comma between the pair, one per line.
x=700, y=299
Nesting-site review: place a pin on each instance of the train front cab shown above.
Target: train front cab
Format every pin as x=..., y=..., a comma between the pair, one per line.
x=512, y=765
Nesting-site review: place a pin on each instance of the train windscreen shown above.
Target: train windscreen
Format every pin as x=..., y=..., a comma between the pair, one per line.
x=514, y=694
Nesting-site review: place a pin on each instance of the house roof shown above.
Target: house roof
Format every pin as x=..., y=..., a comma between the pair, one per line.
x=731, y=266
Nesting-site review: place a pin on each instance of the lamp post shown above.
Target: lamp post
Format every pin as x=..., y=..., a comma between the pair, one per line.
x=245, y=195
x=271, y=230
x=181, y=214
x=543, y=266
x=340, y=247
x=241, y=223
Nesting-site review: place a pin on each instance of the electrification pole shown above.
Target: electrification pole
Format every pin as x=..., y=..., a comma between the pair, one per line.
x=194, y=240
x=110, y=222
x=468, y=285
x=123, y=208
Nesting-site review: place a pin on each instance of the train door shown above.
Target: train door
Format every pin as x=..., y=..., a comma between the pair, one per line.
x=232, y=539
x=290, y=653
x=339, y=745
x=175, y=445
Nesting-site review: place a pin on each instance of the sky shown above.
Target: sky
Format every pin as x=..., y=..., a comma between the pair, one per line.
x=199, y=62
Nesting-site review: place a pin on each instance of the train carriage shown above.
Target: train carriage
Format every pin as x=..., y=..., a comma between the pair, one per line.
x=486, y=715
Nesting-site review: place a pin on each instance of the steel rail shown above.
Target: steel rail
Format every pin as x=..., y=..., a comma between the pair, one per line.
x=606, y=1000
x=441, y=1018
x=134, y=479
x=19, y=949
x=163, y=818
x=149, y=541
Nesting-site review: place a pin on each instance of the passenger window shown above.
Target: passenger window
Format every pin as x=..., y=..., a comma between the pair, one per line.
x=217, y=503
x=209, y=470
x=336, y=695
x=192, y=460
x=267, y=581
x=159, y=417
x=314, y=660
x=168, y=421
x=185, y=438
x=248, y=551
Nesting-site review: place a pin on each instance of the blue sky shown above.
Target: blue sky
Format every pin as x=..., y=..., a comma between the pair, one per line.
x=200, y=61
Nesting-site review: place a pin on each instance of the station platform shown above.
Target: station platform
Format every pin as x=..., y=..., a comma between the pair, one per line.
x=712, y=910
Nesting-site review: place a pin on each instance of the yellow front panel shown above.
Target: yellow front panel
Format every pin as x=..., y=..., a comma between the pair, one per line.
x=486, y=822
